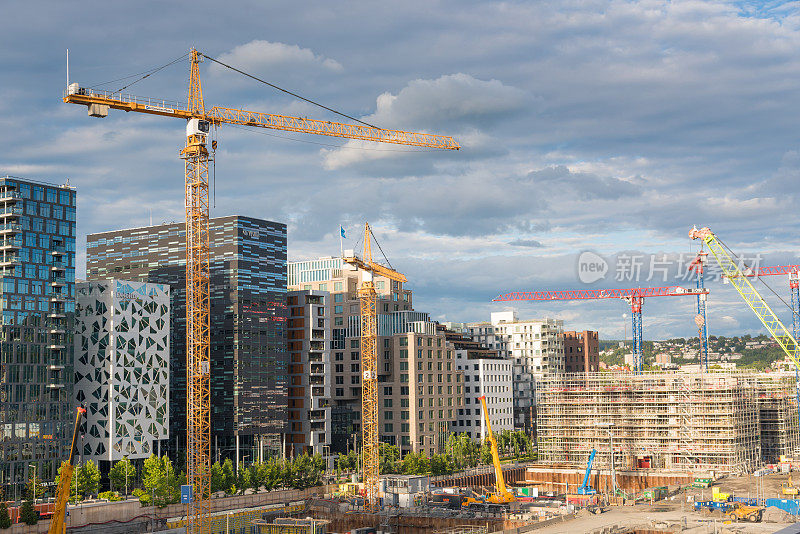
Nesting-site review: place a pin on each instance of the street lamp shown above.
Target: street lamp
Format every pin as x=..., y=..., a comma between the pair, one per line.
x=126, y=475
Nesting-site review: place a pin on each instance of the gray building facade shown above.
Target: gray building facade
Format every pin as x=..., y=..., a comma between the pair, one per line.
x=37, y=267
x=249, y=362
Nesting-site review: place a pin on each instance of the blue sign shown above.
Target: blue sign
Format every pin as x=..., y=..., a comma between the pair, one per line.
x=186, y=494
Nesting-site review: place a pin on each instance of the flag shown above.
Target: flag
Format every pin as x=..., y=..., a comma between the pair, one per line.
x=341, y=231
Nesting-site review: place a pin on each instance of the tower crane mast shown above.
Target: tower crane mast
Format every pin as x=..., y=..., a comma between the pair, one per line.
x=196, y=159
x=633, y=296
x=369, y=363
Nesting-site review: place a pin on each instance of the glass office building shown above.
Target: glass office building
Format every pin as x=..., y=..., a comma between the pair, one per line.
x=249, y=362
x=37, y=267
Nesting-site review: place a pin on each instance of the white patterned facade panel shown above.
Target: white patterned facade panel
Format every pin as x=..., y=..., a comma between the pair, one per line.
x=122, y=366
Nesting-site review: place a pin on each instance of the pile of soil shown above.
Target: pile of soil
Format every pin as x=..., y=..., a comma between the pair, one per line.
x=773, y=514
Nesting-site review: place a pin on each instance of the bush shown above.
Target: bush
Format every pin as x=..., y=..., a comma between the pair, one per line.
x=27, y=514
x=112, y=496
x=144, y=497
x=5, y=519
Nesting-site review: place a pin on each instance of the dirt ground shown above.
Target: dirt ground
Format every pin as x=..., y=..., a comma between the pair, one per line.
x=677, y=514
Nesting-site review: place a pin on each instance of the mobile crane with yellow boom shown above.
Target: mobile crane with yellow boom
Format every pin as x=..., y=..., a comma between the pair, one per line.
x=57, y=522
x=502, y=496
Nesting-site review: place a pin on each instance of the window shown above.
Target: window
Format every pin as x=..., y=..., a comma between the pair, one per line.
x=338, y=297
x=337, y=286
x=338, y=309
x=323, y=287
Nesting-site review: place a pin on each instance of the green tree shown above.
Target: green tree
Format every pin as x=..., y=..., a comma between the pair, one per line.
x=217, y=478
x=486, y=452
x=34, y=489
x=161, y=481
x=347, y=462
x=389, y=457
x=88, y=479
x=306, y=471
x=122, y=475
x=440, y=465
x=5, y=519
x=415, y=464
x=271, y=477
x=229, y=477
x=27, y=514
x=244, y=480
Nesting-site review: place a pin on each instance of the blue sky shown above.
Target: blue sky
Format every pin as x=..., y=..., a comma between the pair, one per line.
x=597, y=125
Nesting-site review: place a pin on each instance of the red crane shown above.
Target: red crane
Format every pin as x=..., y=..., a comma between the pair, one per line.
x=633, y=296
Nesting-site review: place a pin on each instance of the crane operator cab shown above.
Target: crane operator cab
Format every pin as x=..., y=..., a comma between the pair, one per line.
x=197, y=127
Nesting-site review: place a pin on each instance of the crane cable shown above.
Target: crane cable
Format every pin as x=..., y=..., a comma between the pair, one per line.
x=243, y=73
x=379, y=248
x=146, y=73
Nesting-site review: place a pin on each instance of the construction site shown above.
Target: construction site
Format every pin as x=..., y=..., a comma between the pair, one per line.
x=627, y=451
x=723, y=422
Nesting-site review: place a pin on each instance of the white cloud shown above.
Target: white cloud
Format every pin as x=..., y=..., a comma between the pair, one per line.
x=260, y=56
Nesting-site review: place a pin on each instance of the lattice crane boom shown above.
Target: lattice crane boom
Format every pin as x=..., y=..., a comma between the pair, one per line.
x=741, y=281
x=199, y=119
x=633, y=296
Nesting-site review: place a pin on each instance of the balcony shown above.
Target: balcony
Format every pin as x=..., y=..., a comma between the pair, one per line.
x=56, y=314
x=57, y=250
x=10, y=228
x=57, y=297
x=9, y=260
x=57, y=266
x=55, y=346
x=11, y=211
x=55, y=367
x=9, y=195
x=55, y=386
x=58, y=281
x=11, y=243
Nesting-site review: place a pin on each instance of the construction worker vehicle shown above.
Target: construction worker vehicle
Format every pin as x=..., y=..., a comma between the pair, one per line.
x=788, y=489
x=502, y=497
x=744, y=512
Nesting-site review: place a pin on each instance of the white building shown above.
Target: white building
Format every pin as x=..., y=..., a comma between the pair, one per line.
x=310, y=341
x=122, y=367
x=536, y=348
x=485, y=374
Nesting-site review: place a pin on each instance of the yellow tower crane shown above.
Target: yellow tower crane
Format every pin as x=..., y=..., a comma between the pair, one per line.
x=369, y=362
x=196, y=157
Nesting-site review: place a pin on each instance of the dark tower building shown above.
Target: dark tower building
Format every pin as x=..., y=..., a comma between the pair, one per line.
x=249, y=362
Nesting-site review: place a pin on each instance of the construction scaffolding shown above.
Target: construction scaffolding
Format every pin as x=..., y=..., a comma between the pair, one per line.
x=726, y=422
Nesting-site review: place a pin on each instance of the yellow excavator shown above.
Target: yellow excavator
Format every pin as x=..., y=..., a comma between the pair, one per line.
x=57, y=522
x=502, y=496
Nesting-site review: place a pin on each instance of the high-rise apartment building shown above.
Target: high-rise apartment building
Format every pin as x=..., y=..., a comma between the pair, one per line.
x=122, y=368
x=535, y=347
x=487, y=374
x=249, y=363
x=419, y=387
x=309, y=345
x=37, y=267
x=581, y=352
